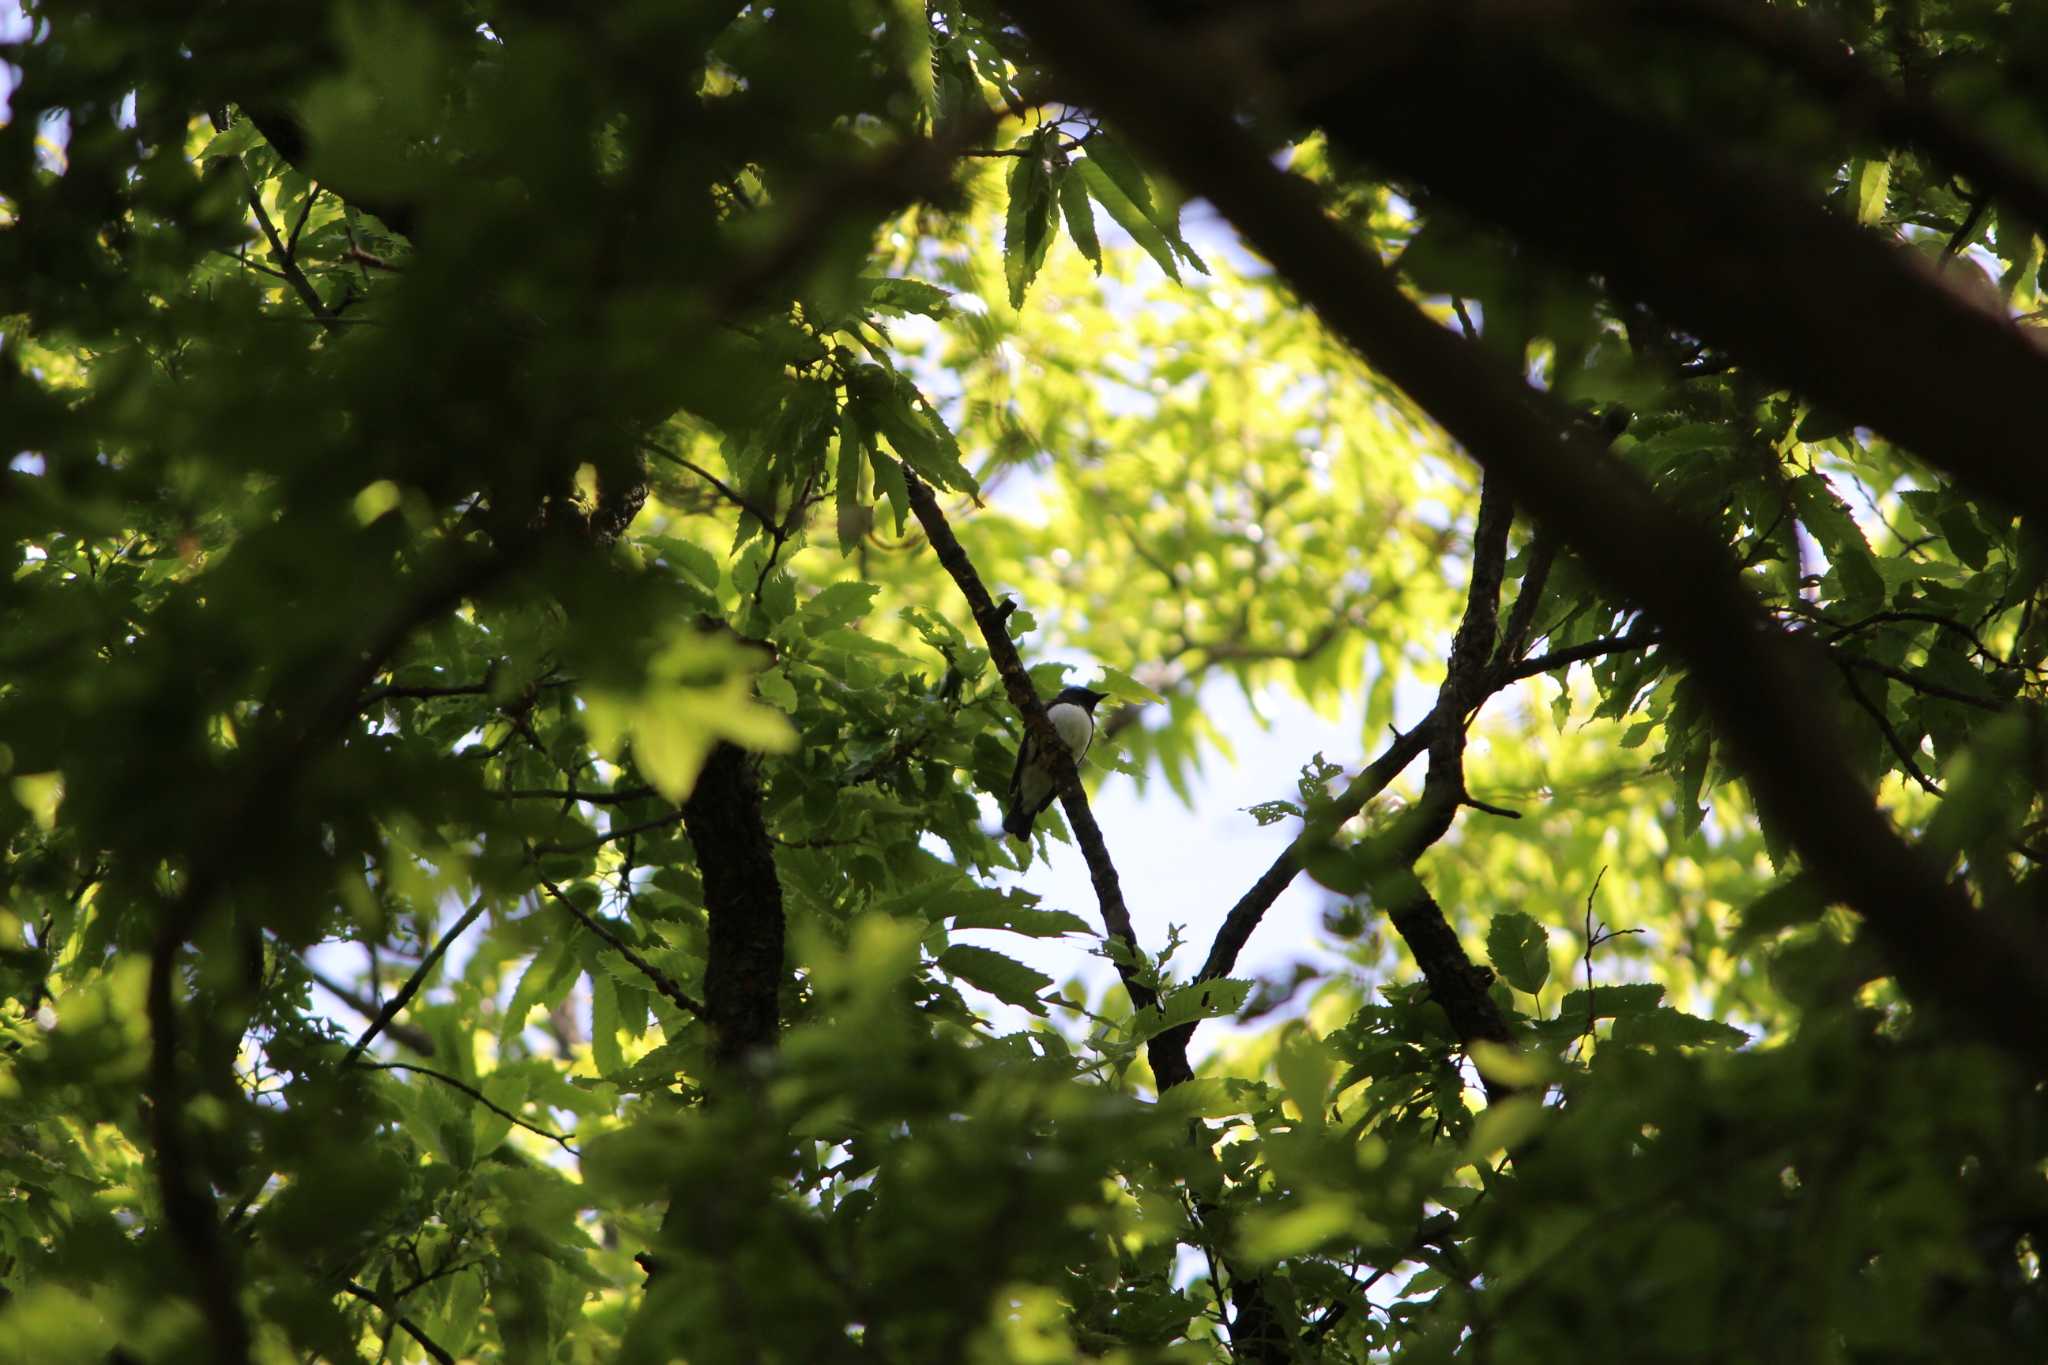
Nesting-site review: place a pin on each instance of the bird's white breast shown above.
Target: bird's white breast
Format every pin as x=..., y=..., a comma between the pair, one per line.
x=1076, y=727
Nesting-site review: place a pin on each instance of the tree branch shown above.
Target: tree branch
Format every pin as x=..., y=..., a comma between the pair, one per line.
x=206, y=1256
x=414, y=982
x=479, y=1096
x=663, y=982
x=398, y=1033
x=1979, y=964
x=412, y=1329
x=744, y=966
x=1168, y=1068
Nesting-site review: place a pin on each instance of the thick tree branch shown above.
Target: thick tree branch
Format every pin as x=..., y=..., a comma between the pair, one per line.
x=743, y=971
x=1853, y=321
x=1579, y=653
x=1759, y=685
x=207, y=1257
x=1829, y=67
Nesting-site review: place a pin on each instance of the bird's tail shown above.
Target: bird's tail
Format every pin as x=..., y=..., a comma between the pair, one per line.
x=1017, y=822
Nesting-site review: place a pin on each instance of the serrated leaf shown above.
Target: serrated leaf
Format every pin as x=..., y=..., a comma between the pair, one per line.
x=1028, y=225
x=1123, y=171
x=1018, y=917
x=659, y=1069
x=1128, y=216
x=604, y=1024
x=836, y=605
x=1273, y=812
x=1794, y=901
x=1609, y=1002
x=1519, y=949
x=1124, y=687
x=1667, y=1027
x=1005, y=978
x=889, y=483
x=1213, y=1097
x=852, y=517
x=1834, y=528
x=1080, y=216
x=1199, y=1000
x=1692, y=777
x=910, y=41
x=1870, y=184
x=894, y=295
x=775, y=689
x=545, y=982
x=1965, y=536
x=694, y=560
x=917, y=435
x=238, y=138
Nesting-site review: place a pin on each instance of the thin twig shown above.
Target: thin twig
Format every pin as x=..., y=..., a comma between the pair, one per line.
x=414, y=982
x=479, y=1096
x=1888, y=730
x=613, y=835
x=291, y=243
x=412, y=1329
x=403, y=1035
x=620, y=797
x=663, y=982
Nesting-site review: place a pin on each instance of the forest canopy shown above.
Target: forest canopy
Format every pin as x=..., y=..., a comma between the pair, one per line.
x=539, y=532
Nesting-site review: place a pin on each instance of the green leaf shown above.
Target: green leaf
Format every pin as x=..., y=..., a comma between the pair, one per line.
x=910, y=38
x=1834, y=528
x=1959, y=526
x=238, y=138
x=1519, y=949
x=890, y=294
x=661, y=1068
x=1215, y=999
x=604, y=1023
x=1124, y=687
x=980, y=909
x=1128, y=216
x=1273, y=812
x=1123, y=171
x=853, y=517
x=838, y=604
x=1080, y=218
x=1003, y=977
x=1609, y=1002
x=1666, y=1027
x=917, y=435
x=889, y=483
x=1794, y=901
x=1213, y=1097
x=1028, y=228
x=1870, y=182
x=775, y=689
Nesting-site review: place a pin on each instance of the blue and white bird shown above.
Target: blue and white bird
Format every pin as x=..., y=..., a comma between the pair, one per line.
x=1032, y=788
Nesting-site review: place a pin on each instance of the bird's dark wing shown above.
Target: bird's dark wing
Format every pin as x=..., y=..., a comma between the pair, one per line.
x=1020, y=811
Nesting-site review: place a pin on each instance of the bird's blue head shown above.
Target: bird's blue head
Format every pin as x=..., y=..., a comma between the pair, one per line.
x=1081, y=697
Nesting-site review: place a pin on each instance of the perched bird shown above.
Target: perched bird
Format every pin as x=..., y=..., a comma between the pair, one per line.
x=1072, y=714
